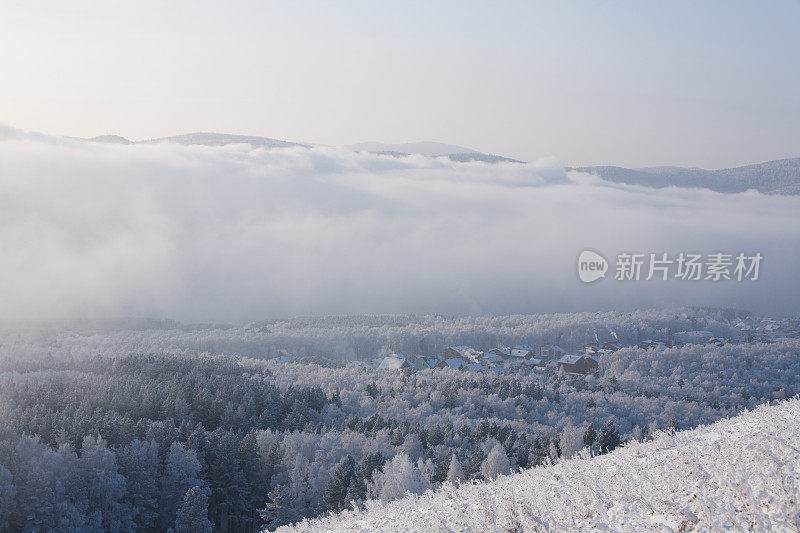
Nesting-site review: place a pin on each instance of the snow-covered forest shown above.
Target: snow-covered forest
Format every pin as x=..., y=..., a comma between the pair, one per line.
x=738, y=474
x=163, y=426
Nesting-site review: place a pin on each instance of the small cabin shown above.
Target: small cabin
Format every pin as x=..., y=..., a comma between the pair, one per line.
x=578, y=364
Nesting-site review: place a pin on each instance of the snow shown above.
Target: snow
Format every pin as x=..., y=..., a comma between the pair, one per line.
x=737, y=474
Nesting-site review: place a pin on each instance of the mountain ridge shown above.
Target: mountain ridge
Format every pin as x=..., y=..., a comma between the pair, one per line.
x=780, y=176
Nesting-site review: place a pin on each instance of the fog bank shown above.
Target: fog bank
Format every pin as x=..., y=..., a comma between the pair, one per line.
x=235, y=234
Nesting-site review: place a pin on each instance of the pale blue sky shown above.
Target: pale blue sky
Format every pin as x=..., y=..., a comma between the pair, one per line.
x=709, y=84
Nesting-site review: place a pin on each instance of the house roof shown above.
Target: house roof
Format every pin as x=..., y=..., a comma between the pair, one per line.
x=570, y=359
x=492, y=357
x=460, y=348
x=555, y=348
x=393, y=363
x=423, y=362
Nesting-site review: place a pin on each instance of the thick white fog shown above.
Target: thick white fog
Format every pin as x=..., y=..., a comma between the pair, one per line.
x=234, y=234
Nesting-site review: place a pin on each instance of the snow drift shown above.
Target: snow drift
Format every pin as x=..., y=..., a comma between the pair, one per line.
x=236, y=233
x=741, y=474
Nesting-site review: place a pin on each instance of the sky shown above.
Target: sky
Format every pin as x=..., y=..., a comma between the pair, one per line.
x=709, y=84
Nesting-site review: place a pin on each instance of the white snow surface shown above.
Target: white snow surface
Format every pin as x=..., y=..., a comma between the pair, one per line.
x=738, y=474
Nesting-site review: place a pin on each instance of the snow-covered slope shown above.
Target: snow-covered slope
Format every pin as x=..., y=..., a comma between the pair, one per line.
x=739, y=474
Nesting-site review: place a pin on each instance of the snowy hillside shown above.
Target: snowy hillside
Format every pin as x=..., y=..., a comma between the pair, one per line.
x=741, y=474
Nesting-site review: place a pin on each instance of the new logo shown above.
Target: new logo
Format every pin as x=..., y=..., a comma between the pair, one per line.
x=591, y=266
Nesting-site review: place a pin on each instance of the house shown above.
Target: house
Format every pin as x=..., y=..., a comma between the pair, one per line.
x=394, y=362
x=523, y=351
x=692, y=337
x=423, y=363
x=551, y=351
x=598, y=348
x=578, y=364
x=469, y=355
x=591, y=348
x=655, y=345
x=501, y=352
x=455, y=363
x=492, y=358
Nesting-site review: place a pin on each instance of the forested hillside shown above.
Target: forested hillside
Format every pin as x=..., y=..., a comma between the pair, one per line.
x=739, y=474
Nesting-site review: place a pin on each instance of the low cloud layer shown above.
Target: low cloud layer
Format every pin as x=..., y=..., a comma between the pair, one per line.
x=235, y=234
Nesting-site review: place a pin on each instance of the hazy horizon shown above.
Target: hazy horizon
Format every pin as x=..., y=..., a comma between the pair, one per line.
x=365, y=146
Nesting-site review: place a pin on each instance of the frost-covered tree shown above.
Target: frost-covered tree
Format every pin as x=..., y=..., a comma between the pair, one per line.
x=496, y=463
x=139, y=465
x=608, y=439
x=455, y=473
x=337, y=489
x=105, y=486
x=571, y=441
x=192, y=516
x=6, y=497
x=181, y=472
x=589, y=436
x=399, y=476
x=279, y=510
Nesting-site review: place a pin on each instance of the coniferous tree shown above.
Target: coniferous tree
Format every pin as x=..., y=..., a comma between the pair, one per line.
x=455, y=473
x=192, y=516
x=589, y=436
x=608, y=439
x=336, y=491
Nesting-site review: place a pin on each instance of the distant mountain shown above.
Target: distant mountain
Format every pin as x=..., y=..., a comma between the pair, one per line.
x=221, y=139
x=112, y=139
x=430, y=149
x=773, y=177
x=477, y=156
x=424, y=148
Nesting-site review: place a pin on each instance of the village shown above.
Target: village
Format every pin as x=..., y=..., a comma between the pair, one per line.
x=523, y=357
x=501, y=359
